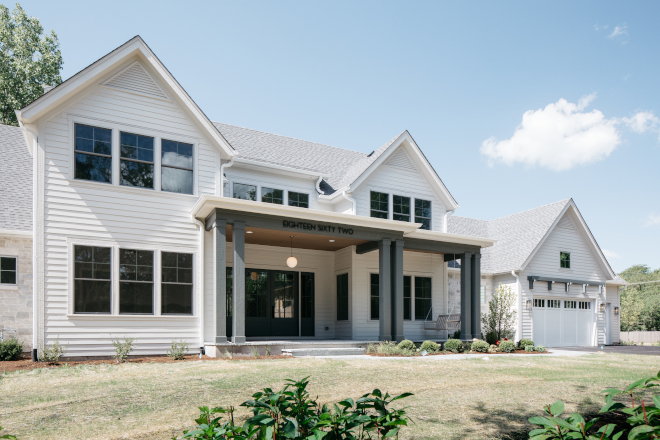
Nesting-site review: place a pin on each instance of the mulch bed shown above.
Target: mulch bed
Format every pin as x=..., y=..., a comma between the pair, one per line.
x=448, y=353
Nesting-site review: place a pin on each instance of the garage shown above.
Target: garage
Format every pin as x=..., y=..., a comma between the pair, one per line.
x=563, y=322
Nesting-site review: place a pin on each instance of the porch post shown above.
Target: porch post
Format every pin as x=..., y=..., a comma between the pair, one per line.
x=384, y=291
x=476, y=295
x=466, y=296
x=238, y=239
x=397, y=290
x=220, y=245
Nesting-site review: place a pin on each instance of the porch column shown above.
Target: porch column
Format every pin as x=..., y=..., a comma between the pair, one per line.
x=396, y=261
x=220, y=248
x=384, y=291
x=466, y=296
x=238, y=303
x=476, y=295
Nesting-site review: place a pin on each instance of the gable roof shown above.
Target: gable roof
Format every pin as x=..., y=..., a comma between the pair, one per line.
x=16, y=181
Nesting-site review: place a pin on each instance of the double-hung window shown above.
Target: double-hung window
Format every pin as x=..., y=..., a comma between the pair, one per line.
x=423, y=213
x=177, y=283
x=379, y=205
x=8, y=270
x=93, y=153
x=137, y=160
x=374, y=301
x=245, y=192
x=136, y=281
x=92, y=285
x=565, y=260
x=300, y=200
x=271, y=195
x=176, y=167
x=422, y=297
x=401, y=208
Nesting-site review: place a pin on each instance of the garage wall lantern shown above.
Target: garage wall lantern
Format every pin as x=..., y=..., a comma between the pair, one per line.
x=601, y=307
x=529, y=304
x=616, y=311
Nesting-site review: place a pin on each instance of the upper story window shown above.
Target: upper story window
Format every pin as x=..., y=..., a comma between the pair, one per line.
x=565, y=260
x=7, y=270
x=298, y=199
x=423, y=213
x=401, y=208
x=137, y=160
x=93, y=153
x=92, y=288
x=271, y=195
x=245, y=192
x=176, y=167
x=380, y=205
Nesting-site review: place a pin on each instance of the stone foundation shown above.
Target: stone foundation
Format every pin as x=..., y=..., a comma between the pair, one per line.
x=16, y=300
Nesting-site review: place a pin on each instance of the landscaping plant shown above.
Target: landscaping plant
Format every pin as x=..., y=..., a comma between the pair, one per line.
x=52, y=354
x=7, y=436
x=407, y=344
x=525, y=342
x=507, y=346
x=539, y=348
x=10, y=349
x=123, y=348
x=291, y=414
x=480, y=346
x=491, y=337
x=529, y=348
x=500, y=318
x=453, y=345
x=429, y=346
x=178, y=350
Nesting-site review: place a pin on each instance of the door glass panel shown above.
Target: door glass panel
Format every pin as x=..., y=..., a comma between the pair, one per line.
x=283, y=295
x=307, y=296
x=256, y=293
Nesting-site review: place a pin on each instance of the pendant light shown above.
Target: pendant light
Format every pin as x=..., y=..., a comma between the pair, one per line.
x=291, y=261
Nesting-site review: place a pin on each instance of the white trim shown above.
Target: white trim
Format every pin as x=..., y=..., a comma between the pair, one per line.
x=275, y=169
x=3, y=254
x=15, y=233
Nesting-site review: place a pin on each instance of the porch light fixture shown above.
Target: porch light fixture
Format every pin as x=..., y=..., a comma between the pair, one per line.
x=291, y=261
x=616, y=311
x=529, y=304
x=601, y=307
x=331, y=241
x=254, y=275
x=248, y=232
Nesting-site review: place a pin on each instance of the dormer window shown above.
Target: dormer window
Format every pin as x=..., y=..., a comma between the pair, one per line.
x=401, y=208
x=379, y=205
x=93, y=153
x=423, y=213
x=565, y=260
x=245, y=192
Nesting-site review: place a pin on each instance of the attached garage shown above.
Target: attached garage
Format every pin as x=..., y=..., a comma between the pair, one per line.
x=563, y=322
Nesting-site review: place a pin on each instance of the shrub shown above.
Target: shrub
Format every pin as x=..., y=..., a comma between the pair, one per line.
x=456, y=335
x=407, y=344
x=123, y=348
x=52, y=354
x=430, y=347
x=529, y=348
x=494, y=348
x=10, y=349
x=454, y=345
x=178, y=350
x=491, y=337
x=525, y=342
x=501, y=314
x=480, y=346
x=540, y=348
x=507, y=346
x=255, y=351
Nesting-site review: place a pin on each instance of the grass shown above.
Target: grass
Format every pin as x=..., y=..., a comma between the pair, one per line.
x=454, y=399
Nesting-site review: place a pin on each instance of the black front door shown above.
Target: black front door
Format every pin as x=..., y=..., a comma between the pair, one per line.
x=284, y=304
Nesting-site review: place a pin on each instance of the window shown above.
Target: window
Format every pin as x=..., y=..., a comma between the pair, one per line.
x=422, y=297
x=423, y=213
x=176, y=167
x=177, y=283
x=91, y=279
x=570, y=304
x=136, y=281
x=7, y=270
x=93, y=153
x=307, y=295
x=245, y=192
x=374, y=303
x=284, y=294
x=256, y=294
x=298, y=199
x=270, y=195
x=554, y=303
x=137, y=160
x=379, y=205
x=539, y=302
x=585, y=305
x=401, y=207
x=565, y=260
x=342, y=297
x=407, y=300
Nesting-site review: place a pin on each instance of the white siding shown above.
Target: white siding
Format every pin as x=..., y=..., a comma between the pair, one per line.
x=343, y=264
x=613, y=297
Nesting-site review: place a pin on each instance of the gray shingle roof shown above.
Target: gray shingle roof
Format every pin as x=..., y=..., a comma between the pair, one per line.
x=15, y=180
x=517, y=235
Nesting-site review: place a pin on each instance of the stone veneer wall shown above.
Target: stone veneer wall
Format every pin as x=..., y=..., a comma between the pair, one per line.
x=454, y=288
x=16, y=301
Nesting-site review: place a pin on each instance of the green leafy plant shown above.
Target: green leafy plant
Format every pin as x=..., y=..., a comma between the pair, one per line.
x=529, y=348
x=500, y=317
x=507, y=346
x=456, y=335
x=453, y=345
x=480, y=346
x=268, y=348
x=178, y=350
x=525, y=342
x=123, y=348
x=540, y=348
x=407, y=344
x=51, y=354
x=255, y=351
x=491, y=337
x=7, y=436
x=429, y=347
x=10, y=349
x=494, y=348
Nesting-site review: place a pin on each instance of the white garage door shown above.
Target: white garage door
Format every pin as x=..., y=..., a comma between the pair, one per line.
x=563, y=322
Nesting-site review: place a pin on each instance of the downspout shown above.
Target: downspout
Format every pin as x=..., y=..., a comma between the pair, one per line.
x=202, y=229
x=352, y=200
x=520, y=310
x=222, y=175
x=444, y=226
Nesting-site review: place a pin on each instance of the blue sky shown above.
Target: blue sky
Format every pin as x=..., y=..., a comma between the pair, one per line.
x=459, y=76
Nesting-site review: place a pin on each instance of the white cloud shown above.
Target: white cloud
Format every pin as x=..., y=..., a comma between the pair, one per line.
x=642, y=121
x=610, y=254
x=652, y=219
x=619, y=30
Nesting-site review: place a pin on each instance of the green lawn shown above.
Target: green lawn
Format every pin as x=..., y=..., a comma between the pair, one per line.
x=454, y=399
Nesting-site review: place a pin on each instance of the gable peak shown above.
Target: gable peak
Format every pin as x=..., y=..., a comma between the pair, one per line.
x=135, y=79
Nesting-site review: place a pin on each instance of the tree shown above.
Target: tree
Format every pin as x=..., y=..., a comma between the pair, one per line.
x=501, y=315
x=640, y=304
x=28, y=61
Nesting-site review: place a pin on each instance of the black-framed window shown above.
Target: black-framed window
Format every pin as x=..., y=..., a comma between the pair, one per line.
x=272, y=195
x=423, y=213
x=137, y=160
x=422, y=297
x=136, y=282
x=176, y=283
x=92, y=288
x=307, y=295
x=342, y=297
x=379, y=205
x=256, y=293
x=401, y=208
x=93, y=153
x=8, y=270
x=407, y=297
x=176, y=167
x=300, y=200
x=245, y=192
x=374, y=300
x=565, y=260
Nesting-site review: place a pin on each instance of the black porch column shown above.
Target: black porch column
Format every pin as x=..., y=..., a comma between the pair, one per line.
x=466, y=296
x=238, y=302
x=476, y=295
x=220, y=251
x=396, y=261
x=384, y=291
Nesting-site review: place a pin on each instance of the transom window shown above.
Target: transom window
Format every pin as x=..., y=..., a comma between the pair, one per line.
x=271, y=195
x=176, y=167
x=93, y=153
x=136, y=281
x=380, y=205
x=570, y=304
x=554, y=303
x=539, y=302
x=565, y=260
x=298, y=199
x=7, y=270
x=92, y=285
x=422, y=297
x=375, y=297
x=245, y=192
x=137, y=160
x=585, y=305
x=177, y=283
x=401, y=208
x=423, y=213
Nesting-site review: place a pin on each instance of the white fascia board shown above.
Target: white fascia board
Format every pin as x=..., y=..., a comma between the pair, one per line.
x=450, y=238
x=15, y=233
x=274, y=168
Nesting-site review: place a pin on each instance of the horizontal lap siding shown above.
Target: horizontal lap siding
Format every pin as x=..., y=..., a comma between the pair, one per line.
x=343, y=261
x=613, y=296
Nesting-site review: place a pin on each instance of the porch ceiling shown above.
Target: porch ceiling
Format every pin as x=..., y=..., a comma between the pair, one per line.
x=271, y=237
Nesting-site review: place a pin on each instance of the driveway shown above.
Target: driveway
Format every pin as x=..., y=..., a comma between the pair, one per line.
x=620, y=349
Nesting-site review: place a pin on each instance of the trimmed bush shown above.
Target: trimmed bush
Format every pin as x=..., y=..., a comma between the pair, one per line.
x=10, y=349
x=525, y=342
x=491, y=337
x=529, y=348
x=507, y=346
x=430, y=347
x=480, y=346
x=406, y=344
x=178, y=350
x=540, y=348
x=454, y=345
x=456, y=335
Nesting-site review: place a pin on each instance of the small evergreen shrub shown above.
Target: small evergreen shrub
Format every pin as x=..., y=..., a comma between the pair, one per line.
x=52, y=354
x=507, y=346
x=454, y=345
x=430, y=347
x=525, y=342
x=456, y=335
x=123, y=348
x=468, y=345
x=491, y=337
x=178, y=350
x=480, y=346
x=407, y=344
x=10, y=349
x=529, y=348
x=540, y=348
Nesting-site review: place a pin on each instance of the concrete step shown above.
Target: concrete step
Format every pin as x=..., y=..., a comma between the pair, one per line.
x=319, y=351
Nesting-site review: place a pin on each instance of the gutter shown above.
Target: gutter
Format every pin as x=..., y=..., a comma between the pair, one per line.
x=520, y=311
x=222, y=175
x=447, y=214
x=318, y=185
x=352, y=200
